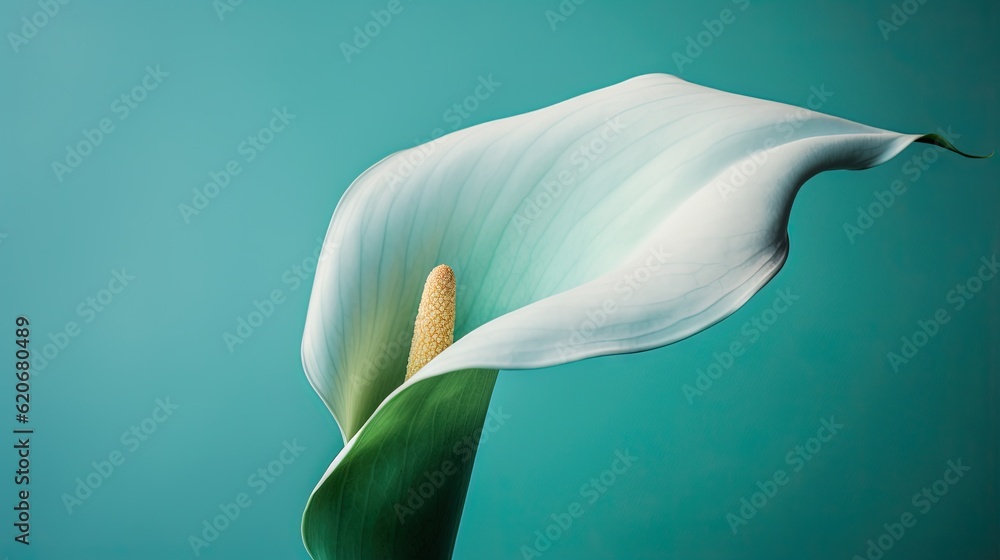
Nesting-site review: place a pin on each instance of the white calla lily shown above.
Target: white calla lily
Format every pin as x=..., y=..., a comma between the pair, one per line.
x=618, y=221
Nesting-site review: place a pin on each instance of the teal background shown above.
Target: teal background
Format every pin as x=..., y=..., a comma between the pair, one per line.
x=163, y=335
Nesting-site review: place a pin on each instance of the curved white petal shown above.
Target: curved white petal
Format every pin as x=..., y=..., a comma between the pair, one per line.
x=617, y=221
x=718, y=249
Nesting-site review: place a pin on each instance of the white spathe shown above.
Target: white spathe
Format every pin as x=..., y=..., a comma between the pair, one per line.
x=618, y=221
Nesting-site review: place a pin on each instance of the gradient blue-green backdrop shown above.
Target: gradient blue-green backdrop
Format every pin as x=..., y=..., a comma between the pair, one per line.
x=162, y=336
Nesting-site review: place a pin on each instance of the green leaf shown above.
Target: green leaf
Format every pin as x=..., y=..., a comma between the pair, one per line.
x=398, y=490
x=941, y=141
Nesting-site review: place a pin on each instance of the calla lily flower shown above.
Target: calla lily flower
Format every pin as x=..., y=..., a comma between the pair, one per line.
x=618, y=221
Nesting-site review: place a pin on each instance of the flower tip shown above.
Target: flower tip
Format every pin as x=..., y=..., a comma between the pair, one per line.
x=442, y=274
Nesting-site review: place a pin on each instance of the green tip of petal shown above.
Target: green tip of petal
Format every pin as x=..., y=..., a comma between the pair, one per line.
x=941, y=141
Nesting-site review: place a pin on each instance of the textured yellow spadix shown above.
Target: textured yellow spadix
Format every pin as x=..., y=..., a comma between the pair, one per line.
x=434, y=329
